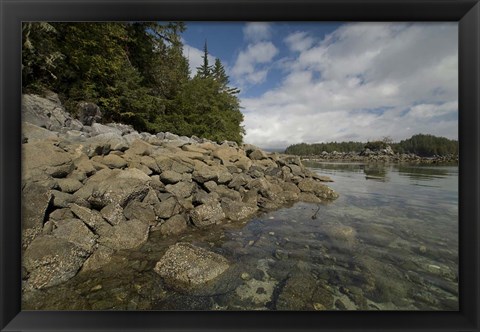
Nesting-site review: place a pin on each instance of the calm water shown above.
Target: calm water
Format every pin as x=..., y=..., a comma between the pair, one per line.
x=388, y=243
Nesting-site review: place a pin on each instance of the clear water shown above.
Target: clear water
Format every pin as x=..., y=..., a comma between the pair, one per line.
x=390, y=242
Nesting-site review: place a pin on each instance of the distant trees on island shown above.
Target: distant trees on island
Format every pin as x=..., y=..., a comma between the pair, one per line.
x=135, y=72
x=421, y=145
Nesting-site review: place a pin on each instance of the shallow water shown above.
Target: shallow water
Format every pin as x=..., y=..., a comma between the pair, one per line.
x=388, y=243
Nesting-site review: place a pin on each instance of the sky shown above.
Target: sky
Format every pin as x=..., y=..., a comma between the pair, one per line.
x=318, y=82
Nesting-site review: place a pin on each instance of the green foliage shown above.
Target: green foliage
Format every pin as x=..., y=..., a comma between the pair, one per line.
x=318, y=148
x=420, y=144
x=427, y=146
x=135, y=72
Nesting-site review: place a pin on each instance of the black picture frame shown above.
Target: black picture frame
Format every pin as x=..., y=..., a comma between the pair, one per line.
x=13, y=12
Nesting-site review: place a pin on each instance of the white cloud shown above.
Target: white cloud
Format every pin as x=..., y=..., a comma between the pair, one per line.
x=257, y=31
x=195, y=58
x=299, y=41
x=363, y=81
x=246, y=67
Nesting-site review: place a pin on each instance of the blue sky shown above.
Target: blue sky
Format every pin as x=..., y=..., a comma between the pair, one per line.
x=318, y=82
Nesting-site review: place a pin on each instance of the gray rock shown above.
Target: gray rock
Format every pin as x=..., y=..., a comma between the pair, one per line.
x=167, y=208
x=101, y=256
x=61, y=214
x=98, y=129
x=169, y=163
x=113, y=214
x=204, y=173
x=173, y=226
x=114, y=161
x=317, y=188
x=141, y=211
x=69, y=185
x=225, y=192
x=126, y=235
x=151, y=198
x=91, y=218
x=207, y=214
x=32, y=133
x=185, y=266
x=75, y=231
x=303, y=292
x=133, y=136
x=237, y=210
x=88, y=113
x=44, y=158
x=102, y=144
x=121, y=187
x=257, y=155
x=181, y=189
x=47, y=113
x=52, y=261
x=170, y=177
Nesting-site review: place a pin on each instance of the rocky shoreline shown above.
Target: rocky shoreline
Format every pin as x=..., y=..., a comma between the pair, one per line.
x=90, y=189
x=380, y=156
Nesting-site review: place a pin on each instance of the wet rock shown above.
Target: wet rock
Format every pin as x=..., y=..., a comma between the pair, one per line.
x=184, y=265
x=101, y=256
x=207, y=214
x=303, y=292
x=317, y=188
x=173, y=226
x=237, y=210
x=51, y=261
x=341, y=236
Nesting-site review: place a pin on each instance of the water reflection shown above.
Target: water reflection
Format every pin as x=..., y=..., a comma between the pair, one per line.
x=383, y=245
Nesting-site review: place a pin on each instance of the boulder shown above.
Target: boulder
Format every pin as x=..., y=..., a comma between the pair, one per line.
x=113, y=214
x=75, y=231
x=167, y=208
x=102, y=144
x=36, y=200
x=51, y=261
x=170, y=177
x=33, y=133
x=315, y=187
x=173, y=226
x=44, y=158
x=141, y=211
x=69, y=185
x=88, y=113
x=100, y=257
x=207, y=214
x=47, y=113
x=126, y=235
x=114, y=161
x=237, y=210
x=181, y=189
x=93, y=219
x=98, y=129
x=184, y=266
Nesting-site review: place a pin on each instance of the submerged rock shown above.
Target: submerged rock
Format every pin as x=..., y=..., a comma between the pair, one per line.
x=185, y=265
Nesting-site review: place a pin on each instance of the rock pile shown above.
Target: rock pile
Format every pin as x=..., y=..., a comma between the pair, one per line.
x=90, y=189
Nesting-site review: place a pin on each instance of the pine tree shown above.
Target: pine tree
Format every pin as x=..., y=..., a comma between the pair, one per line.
x=205, y=69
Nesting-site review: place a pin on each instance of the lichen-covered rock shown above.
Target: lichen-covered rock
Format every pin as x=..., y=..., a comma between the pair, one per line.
x=170, y=177
x=167, y=208
x=75, y=231
x=35, y=202
x=237, y=210
x=51, y=261
x=141, y=211
x=207, y=214
x=69, y=185
x=113, y=213
x=184, y=265
x=43, y=157
x=101, y=256
x=114, y=161
x=181, y=189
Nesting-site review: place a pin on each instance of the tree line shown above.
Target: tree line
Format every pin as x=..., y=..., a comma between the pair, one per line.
x=423, y=145
x=135, y=72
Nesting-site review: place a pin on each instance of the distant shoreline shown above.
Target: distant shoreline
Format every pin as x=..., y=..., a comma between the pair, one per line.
x=382, y=158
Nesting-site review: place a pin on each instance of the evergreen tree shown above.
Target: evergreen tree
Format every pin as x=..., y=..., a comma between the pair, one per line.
x=205, y=69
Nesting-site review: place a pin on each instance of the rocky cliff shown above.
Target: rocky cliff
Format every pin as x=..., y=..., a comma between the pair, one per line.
x=89, y=189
